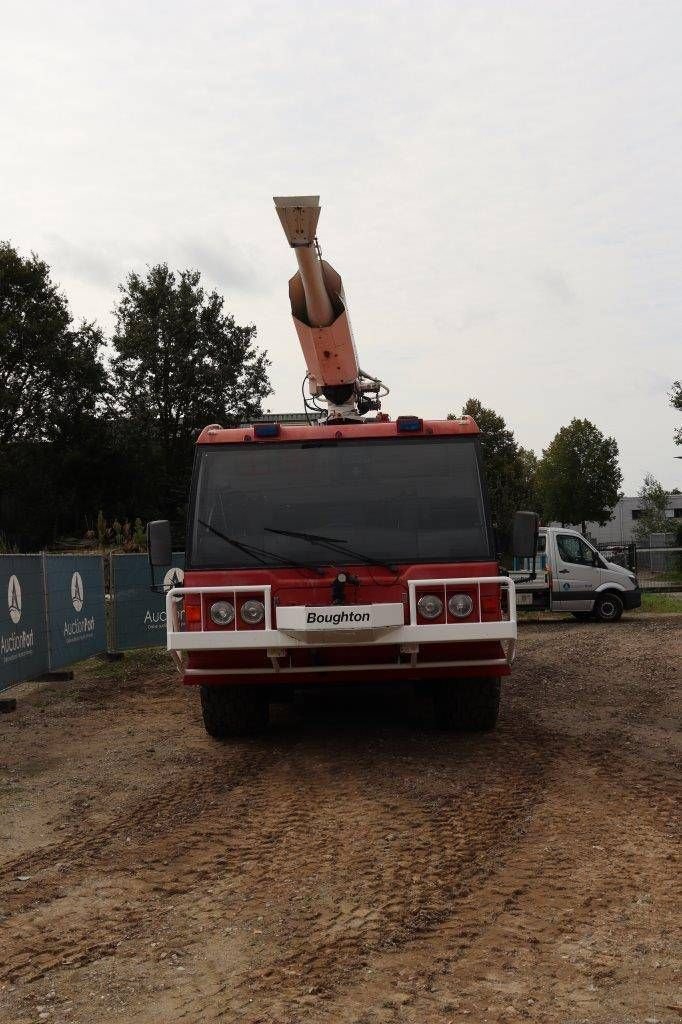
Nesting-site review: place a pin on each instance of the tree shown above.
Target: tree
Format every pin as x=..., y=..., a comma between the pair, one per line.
x=676, y=402
x=509, y=468
x=654, y=501
x=181, y=362
x=579, y=477
x=50, y=373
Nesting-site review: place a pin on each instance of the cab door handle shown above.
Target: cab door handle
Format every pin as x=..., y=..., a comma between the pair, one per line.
x=564, y=570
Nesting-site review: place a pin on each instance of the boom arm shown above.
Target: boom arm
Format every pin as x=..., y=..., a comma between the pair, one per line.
x=318, y=306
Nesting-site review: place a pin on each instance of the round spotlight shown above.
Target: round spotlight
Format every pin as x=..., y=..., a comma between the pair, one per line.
x=222, y=613
x=460, y=605
x=430, y=606
x=252, y=612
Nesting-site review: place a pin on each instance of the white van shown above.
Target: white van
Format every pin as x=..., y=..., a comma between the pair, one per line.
x=572, y=576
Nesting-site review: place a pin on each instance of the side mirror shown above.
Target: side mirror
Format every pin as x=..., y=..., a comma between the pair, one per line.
x=525, y=534
x=159, y=543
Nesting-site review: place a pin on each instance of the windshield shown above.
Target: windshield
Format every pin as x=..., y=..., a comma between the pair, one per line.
x=387, y=500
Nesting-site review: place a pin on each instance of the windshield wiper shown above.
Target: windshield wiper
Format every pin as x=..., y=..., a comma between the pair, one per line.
x=256, y=552
x=333, y=544
x=312, y=537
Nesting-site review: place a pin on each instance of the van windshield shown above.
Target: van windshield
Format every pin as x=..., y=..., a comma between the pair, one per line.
x=391, y=500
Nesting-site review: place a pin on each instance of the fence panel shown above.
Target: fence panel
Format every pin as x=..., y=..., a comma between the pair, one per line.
x=138, y=614
x=23, y=626
x=659, y=568
x=621, y=554
x=74, y=586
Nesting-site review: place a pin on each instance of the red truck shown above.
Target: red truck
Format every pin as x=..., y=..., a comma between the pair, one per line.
x=349, y=549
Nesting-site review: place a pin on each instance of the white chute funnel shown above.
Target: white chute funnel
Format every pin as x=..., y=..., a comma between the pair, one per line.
x=299, y=216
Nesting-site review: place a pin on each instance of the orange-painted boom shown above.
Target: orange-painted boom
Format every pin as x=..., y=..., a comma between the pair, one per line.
x=318, y=306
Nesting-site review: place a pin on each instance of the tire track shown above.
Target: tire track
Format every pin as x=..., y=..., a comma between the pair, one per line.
x=327, y=872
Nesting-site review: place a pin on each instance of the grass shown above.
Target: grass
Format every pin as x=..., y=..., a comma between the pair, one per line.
x=662, y=602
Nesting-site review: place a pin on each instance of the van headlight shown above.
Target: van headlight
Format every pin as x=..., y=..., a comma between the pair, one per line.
x=252, y=612
x=222, y=613
x=460, y=605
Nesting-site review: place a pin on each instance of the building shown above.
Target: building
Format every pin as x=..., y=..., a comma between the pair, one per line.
x=621, y=527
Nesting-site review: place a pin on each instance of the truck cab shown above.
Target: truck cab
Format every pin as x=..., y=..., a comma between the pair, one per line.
x=361, y=553
x=572, y=576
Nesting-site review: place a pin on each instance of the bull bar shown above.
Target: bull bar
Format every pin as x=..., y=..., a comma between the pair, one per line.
x=276, y=642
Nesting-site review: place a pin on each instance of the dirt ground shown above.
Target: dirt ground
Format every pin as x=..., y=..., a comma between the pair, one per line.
x=351, y=865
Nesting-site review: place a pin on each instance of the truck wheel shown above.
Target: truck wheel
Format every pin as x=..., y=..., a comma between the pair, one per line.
x=467, y=705
x=608, y=607
x=233, y=710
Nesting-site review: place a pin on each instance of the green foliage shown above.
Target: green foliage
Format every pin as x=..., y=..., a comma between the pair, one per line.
x=181, y=362
x=117, y=534
x=101, y=528
x=579, y=477
x=51, y=377
x=140, y=535
x=662, y=603
x=676, y=402
x=509, y=469
x=75, y=438
x=654, y=501
x=6, y=548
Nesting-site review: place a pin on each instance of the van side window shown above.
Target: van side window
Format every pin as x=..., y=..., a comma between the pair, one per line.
x=574, y=550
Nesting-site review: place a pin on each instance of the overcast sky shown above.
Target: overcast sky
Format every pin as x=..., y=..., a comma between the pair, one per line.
x=501, y=186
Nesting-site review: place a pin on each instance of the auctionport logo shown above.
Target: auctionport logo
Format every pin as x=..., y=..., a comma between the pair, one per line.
x=14, y=599
x=78, y=629
x=157, y=619
x=16, y=644
x=173, y=578
x=77, y=591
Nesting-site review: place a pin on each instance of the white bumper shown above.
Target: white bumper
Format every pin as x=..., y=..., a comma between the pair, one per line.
x=385, y=626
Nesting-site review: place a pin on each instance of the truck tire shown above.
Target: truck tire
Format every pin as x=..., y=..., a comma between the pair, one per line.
x=233, y=710
x=608, y=607
x=467, y=705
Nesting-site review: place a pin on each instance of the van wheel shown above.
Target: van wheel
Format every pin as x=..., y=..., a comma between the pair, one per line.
x=608, y=607
x=467, y=705
x=583, y=616
x=233, y=710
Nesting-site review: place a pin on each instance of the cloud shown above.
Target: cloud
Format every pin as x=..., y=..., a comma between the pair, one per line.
x=227, y=266
x=104, y=265
x=556, y=285
x=500, y=186
x=91, y=263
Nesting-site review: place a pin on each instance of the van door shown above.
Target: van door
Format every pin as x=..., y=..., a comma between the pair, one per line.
x=575, y=577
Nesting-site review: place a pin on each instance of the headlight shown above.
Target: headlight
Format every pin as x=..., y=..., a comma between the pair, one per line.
x=460, y=605
x=429, y=606
x=222, y=613
x=252, y=612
